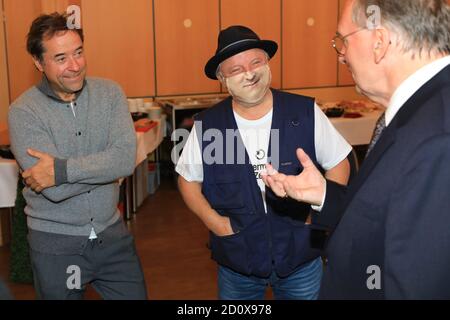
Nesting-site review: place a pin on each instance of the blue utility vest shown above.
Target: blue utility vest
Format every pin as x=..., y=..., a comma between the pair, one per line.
x=278, y=240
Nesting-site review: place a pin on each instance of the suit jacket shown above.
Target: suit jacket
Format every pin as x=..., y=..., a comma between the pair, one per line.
x=392, y=223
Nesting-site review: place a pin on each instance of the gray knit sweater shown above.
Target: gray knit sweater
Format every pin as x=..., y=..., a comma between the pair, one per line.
x=95, y=145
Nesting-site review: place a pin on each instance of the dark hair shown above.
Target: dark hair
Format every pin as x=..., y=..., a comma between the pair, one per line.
x=44, y=27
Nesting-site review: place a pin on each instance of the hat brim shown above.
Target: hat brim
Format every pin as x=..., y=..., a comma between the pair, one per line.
x=268, y=46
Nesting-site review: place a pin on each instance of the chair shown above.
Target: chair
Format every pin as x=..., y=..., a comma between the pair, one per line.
x=354, y=164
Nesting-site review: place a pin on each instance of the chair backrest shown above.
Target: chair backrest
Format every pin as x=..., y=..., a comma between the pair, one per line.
x=354, y=164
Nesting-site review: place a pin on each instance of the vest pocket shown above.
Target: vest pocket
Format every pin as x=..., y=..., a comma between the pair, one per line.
x=226, y=197
x=301, y=248
x=230, y=251
x=239, y=251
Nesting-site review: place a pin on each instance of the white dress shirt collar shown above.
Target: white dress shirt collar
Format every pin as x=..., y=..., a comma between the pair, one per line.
x=412, y=84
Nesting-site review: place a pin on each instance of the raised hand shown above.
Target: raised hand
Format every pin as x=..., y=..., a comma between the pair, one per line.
x=308, y=186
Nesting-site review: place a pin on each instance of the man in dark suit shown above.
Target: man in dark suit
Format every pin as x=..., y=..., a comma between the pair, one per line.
x=390, y=235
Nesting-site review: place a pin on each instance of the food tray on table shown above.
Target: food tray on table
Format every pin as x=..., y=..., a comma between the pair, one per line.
x=348, y=109
x=144, y=125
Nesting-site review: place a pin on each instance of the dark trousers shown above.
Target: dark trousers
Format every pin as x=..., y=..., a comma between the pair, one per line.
x=114, y=271
x=4, y=292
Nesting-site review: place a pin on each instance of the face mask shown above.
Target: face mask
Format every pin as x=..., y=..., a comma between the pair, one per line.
x=249, y=88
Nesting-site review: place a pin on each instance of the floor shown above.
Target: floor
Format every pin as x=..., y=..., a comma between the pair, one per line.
x=171, y=243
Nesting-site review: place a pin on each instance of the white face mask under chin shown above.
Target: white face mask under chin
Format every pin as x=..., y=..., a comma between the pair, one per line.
x=250, y=88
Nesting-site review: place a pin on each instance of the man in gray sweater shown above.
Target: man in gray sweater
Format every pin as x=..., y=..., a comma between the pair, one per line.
x=73, y=137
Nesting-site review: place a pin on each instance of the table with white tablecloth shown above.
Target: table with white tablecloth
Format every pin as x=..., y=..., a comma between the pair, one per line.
x=135, y=190
x=9, y=175
x=147, y=142
x=357, y=131
x=356, y=121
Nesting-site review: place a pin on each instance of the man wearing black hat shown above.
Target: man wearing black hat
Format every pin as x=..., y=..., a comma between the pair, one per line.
x=256, y=238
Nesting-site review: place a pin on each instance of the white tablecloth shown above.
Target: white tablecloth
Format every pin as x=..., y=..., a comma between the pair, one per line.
x=147, y=142
x=9, y=175
x=357, y=131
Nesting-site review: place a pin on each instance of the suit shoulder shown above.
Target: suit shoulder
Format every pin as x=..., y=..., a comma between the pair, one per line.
x=433, y=116
x=445, y=97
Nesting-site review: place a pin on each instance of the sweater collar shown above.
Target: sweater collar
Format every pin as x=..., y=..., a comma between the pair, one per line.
x=45, y=88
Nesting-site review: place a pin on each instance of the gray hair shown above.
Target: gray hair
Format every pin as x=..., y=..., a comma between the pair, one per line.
x=420, y=24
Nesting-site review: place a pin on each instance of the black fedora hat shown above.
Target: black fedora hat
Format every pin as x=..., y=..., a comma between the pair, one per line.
x=233, y=40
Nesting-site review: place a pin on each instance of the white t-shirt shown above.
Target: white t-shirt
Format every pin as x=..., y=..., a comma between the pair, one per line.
x=331, y=147
x=256, y=135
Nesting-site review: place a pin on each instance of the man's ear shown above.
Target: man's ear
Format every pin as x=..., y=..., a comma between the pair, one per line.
x=381, y=44
x=38, y=64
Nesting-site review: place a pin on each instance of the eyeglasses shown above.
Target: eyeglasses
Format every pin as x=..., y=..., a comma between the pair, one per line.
x=339, y=42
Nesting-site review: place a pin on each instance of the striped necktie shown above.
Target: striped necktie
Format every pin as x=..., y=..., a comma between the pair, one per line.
x=379, y=127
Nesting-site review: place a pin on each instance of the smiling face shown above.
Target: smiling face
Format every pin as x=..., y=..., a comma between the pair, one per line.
x=247, y=76
x=63, y=63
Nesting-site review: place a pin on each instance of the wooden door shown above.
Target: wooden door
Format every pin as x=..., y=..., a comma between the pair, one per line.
x=119, y=43
x=22, y=73
x=4, y=88
x=186, y=38
x=308, y=58
x=344, y=76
